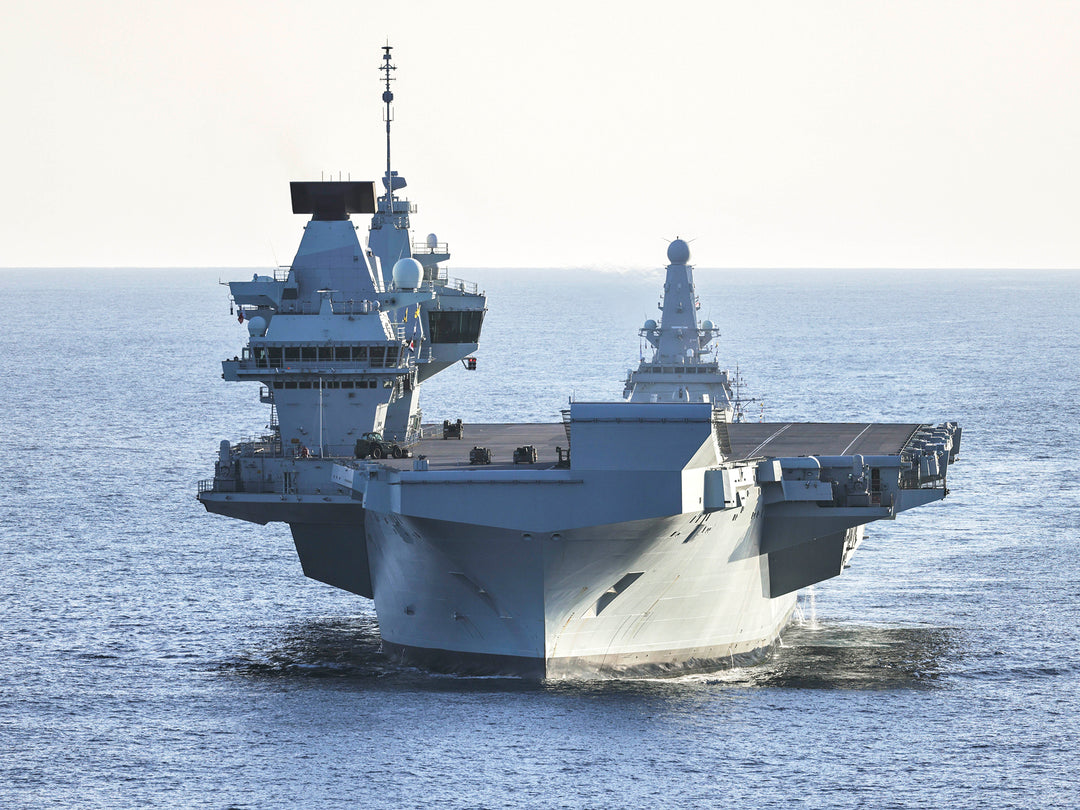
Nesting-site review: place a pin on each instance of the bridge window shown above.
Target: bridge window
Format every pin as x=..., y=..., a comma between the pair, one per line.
x=449, y=326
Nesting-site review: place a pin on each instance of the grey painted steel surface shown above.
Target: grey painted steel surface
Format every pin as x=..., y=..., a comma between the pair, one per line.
x=654, y=534
x=683, y=366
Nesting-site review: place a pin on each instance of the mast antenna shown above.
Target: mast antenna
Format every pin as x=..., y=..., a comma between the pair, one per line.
x=388, y=115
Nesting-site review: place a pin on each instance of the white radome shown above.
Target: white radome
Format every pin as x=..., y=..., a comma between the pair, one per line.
x=407, y=273
x=678, y=252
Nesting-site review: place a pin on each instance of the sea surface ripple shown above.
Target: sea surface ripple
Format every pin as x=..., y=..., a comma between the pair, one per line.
x=156, y=655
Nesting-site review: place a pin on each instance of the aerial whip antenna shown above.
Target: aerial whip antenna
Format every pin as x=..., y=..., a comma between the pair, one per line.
x=387, y=68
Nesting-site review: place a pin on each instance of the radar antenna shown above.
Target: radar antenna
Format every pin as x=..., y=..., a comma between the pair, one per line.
x=739, y=412
x=387, y=68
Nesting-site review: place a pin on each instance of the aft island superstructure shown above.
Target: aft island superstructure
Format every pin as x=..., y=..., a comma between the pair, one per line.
x=654, y=534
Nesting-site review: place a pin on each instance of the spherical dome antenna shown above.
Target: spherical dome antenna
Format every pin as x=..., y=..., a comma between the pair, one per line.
x=257, y=326
x=650, y=324
x=678, y=252
x=407, y=273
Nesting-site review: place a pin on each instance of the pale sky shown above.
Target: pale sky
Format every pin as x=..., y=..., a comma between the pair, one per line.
x=552, y=134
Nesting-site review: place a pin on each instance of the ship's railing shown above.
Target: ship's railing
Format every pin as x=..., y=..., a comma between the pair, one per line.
x=721, y=418
x=331, y=451
x=275, y=486
x=691, y=367
x=282, y=481
x=339, y=305
x=306, y=356
x=257, y=446
x=434, y=276
x=439, y=280
x=401, y=206
x=247, y=486
x=425, y=248
x=912, y=479
x=275, y=449
x=328, y=367
x=281, y=272
x=352, y=306
x=462, y=285
x=429, y=432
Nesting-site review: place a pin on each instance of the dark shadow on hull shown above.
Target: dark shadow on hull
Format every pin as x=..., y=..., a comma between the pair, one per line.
x=580, y=669
x=448, y=662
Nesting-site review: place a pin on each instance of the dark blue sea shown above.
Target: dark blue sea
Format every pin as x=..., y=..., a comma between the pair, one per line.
x=154, y=655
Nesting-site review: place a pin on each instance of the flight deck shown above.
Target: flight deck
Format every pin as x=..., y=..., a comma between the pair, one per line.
x=748, y=440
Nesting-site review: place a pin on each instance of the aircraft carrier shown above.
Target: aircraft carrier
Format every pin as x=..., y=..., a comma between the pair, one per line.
x=659, y=533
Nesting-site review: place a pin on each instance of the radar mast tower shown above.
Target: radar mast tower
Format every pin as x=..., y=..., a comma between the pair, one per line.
x=388, y=116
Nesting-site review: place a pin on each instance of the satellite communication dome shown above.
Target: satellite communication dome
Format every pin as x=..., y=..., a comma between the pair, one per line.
x=257, y=326
x=708, y=326
x=432, y=241
x=678, y=252
x=649, y=325
x=407, y=274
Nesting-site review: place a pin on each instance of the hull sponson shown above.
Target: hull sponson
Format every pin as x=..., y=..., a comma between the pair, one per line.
x=268, y=508
x=335, y=554
x=328, y=532
x=682, y=593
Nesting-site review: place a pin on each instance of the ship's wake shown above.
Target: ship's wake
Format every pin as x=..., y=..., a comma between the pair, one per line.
x=822, y=655
x=817, y=655
x=347, y=648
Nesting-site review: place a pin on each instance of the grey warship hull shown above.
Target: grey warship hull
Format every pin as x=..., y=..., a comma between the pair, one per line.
x=458, y=597
x=523, y=570
x=609, y=600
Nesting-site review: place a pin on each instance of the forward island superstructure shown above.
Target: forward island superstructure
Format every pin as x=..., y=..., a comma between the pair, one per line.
x=341, y=342
x=652, y=534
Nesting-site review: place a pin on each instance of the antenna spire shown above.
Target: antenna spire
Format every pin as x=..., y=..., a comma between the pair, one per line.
x=387, y=68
